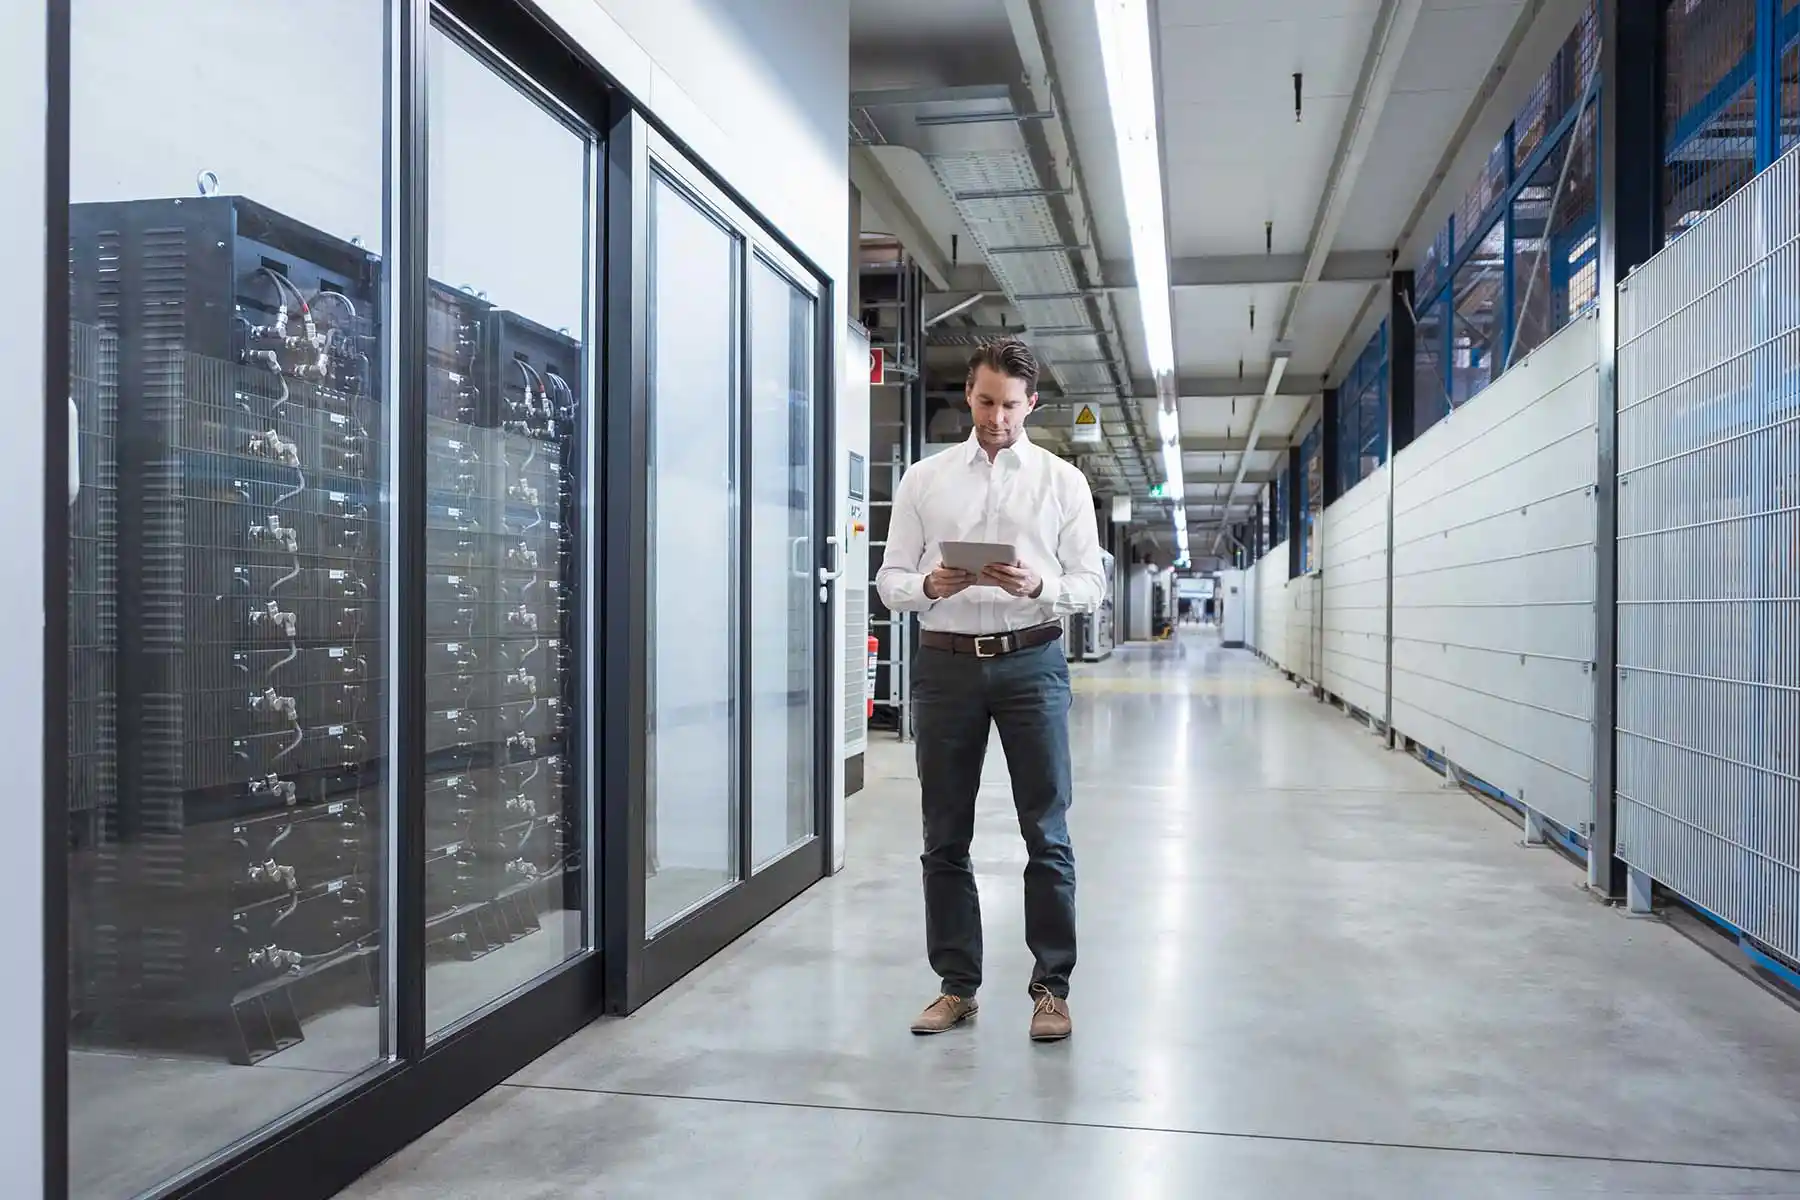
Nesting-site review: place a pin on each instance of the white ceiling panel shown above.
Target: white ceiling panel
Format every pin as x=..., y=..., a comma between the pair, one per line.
x=1283, y=413
x=1231, y=166
x=1325, y=313
x=1216, y=416
x=1213, y=329
x=1414, y=130
x=1454, y=45
x=1249, y=65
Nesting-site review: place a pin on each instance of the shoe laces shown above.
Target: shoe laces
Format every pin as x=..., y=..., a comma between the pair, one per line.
x=1047, y=1001
x=947, y=1003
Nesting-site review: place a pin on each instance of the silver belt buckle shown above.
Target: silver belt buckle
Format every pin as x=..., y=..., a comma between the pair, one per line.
x=980, y=652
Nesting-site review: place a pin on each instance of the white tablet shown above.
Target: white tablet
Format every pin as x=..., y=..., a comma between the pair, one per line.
x=973, y=556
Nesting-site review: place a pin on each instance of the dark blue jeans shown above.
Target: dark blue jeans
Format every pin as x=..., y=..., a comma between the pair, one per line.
x=956, y=699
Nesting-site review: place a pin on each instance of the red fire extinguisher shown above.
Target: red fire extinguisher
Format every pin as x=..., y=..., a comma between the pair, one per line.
x=874, y=656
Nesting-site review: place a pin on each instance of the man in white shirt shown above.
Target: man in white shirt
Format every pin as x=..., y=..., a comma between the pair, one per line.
x=991, y=655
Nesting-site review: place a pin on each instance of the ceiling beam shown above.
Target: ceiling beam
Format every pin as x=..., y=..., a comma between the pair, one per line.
x=1221, y=478
x=1258, y=270
x=1231, y=445
x=1223, y=387
x=878, y=188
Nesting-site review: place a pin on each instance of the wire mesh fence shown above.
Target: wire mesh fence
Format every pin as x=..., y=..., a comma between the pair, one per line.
x=1555, y=238
x=1709, y=106
x=1709, y=563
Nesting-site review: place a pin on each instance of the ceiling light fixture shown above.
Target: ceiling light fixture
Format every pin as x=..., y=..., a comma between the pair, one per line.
x=1131, y=94
x=1130, y=68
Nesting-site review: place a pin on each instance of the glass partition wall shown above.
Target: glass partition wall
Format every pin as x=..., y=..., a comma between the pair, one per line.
x=344, y=732
x=231, y=665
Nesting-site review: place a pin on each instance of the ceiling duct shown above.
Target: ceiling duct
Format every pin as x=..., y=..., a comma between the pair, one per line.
x=976, y=141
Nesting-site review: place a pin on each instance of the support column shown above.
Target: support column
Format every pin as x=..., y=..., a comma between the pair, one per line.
x=1296, y=477
x=1768, y=49
x=1403, y=421
x=1631, y=226
x=1402, y=424
x=1330, y=450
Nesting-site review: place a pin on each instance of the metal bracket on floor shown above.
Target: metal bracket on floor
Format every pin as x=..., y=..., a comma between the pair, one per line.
x=1537, y=834
x=1640, y=893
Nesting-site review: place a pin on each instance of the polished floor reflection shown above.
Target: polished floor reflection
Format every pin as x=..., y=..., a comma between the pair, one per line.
x=1307, y=969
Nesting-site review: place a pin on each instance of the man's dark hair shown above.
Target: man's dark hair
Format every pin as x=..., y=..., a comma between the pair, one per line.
x=1009, y=356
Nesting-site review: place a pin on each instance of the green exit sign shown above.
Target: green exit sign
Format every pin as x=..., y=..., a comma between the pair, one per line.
x=1159, y=491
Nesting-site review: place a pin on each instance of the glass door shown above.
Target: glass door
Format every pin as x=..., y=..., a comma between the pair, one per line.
x=738, y=581
x=782, y=582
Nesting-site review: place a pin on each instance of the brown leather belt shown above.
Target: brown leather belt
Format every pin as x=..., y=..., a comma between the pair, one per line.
x=992, y=645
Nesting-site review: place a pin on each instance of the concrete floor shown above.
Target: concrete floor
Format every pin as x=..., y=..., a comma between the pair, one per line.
x=1307, y=969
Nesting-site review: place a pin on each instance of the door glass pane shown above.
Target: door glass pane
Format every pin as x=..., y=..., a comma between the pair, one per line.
x=691, y=846
x=504, y=477
x=228, y=659
x=783, y=593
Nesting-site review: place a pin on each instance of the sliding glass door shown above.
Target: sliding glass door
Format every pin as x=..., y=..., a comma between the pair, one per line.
x=781, y=577
x=691, y=851
x=738, y=589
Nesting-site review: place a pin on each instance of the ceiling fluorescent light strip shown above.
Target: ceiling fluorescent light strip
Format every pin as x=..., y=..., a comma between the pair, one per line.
x=1131, y=94
x=1125, y=55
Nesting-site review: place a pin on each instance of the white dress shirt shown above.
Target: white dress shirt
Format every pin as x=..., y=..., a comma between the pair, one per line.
x=1024, y=497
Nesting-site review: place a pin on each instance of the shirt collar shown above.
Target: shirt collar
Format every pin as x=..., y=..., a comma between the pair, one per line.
x=1018, y=450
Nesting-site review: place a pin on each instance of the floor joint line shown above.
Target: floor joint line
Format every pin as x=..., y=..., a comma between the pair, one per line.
x=1116, y=1127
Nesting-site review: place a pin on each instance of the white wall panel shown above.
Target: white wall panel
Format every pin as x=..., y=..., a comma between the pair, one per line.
x=1353, y=594
x=1303, y=612
x=1708, y=731
x=1494, y=581
x=1272, y=605
x=1252, y=604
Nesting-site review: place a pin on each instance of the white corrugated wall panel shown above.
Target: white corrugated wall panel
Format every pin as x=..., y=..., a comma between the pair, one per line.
x=1251, y=600
x=1494, y=580
x=1303, y=627
x=1272, y=605
x=1708, y=733
x=1353, y=591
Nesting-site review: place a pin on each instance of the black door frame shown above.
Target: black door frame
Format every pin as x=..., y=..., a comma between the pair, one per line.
x=639, y=967
x=328, y=1144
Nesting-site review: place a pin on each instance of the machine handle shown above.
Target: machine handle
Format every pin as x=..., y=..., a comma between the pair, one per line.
x=827, y=574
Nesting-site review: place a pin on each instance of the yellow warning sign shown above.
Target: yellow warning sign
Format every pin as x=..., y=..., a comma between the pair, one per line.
x=1086, y=416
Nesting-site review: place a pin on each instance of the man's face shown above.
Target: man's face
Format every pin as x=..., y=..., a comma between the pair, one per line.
x=1000, y=405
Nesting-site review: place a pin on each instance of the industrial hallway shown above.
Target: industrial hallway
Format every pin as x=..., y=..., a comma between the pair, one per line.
x=1307, y=969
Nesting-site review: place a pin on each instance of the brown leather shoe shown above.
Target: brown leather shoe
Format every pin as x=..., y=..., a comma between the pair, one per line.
x=945, y=1013
x=1050, y=1018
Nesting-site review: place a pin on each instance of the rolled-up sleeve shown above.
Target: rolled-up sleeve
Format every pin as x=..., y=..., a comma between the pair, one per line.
x=900, y=583
x=1080, y=583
